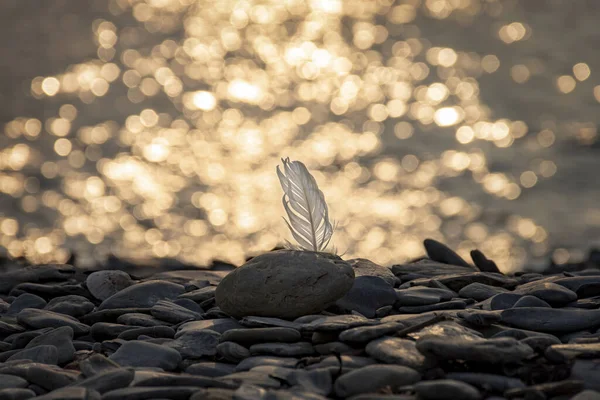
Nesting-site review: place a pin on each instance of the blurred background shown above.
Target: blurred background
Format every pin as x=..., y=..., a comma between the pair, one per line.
x=152, y=128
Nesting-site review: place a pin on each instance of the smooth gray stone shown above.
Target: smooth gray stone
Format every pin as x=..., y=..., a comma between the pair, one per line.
x=189, y=304
x=103, y=284
x=141, y=393
x=317, y=381
x=25, y=300
x=268, y=322
x=142, y=354
x=20, y=340
x=531, y=301
x=261, y=335
x=482, y=262
x=156, y=379
x=551, y=293
x=50, y=290
x=337, y=323
x=43, y=319
x=232, y=351
x=200, y=295
x=456, y=282
x=479, y=318
x=349, y=362
x=101, y=331
x=540, y=343
x=61, y=338
x=284, y=284
x=211, y=369
x=487, y=382
x=213, y=394
x=9, y=328
x=97, y=364
x=497, y=331
x=367, y=294
x=551, y=319
x=422, y=296
x=4, y=346
x=151, y=331
x=12, y=382
x=490, y=351
x=111, y=315
x=573, y=350
x=441, y=253
x=398, y=351
x=364, y=267
x=35, y=273
x=333, y=348
x=213, y=276
x=428, y=268
x=174, y=313
x=139, y=319
x=72, y=305
x=575, y=283
x=283, y=349
x=588, y=372
x=44, y=354
x=108, y=380
x=548, y=389
x=16, y=394
x=446, y=329
x=252, y=377
x=195, y=344
x=479, y=291
x=364, y=334
x=71, y=393
x=587, y=395
x=255, y=361
x=446, y=389
x=217, y=325
x=144, y=294
x=50, y=377
x=374, y=377
x=502, y=301
x=447, y=305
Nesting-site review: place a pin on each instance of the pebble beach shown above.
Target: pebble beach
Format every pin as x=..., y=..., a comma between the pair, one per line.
x=294, y=324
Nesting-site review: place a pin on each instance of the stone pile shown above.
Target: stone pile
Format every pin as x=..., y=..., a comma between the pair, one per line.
x=300, y=325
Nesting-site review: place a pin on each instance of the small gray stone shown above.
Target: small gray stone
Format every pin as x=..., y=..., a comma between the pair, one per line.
x=96, y=364
x=12, y=382
x=232, y=351
x=551, y=293
x=174, y=313
x=220, y=325
x=44, y=354
x=428, y=269
x=61, y=338
x=140, y=393
x=25, y=300
x=210, y=369
x=71, y=393
x=257, y=378
x=139, y=319
x=531, y=301
x=348, y=363
x=149, y=331
x=16, y=394
x=200, y=295
x=446, y=389
x=398, y=351
x=441, y=253
x=108, y=380
x=551, y=319
x=479, y=291
x=588, y=372
x=338, y=323
x=364, y=267
x=364, y=334
x=267, y=322
x=447, y=329
x=374, y=377
x=368, y=293
x=503, y=301
x=283, y=349
x=142, y=354
x=43, y=318
x=72, y=305
x=101, y=331
x=261, y=335
x=333, y=348
x=34, y=273
x=422, y=296
x=458, y=304
x=196, y=343
x=490, y=351
x=587, y=395
x=144, y=294
x=255, y=361
x=284, y=284
x=487, y=382
x=103, y=284
x=50, y=377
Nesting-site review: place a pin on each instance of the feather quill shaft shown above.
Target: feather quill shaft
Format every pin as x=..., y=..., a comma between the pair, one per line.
x=305, y=206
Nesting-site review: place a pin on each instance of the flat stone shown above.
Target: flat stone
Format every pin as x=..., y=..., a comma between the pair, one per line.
x=487, y=382
x=7, y=328
x=479, y=292
x=217, y=325
x=168, y=311
x=12, y=382
x=255, y=361
x=456, y=282
x=334, y=348
x=368, y=293
x=363, y=334
x=503, y=301
x=482, y=262
x=549, y=389
x=573, y=350
x=479, y=318
x=160, y=379
x=587, y=395
x=422, y=296
x=338, y=323
x=101, y=331
x=429, y=269
x=196, y=343
x=531, y=301
x=261, y=335
x=210, y=369
x=200, y=295
x=441, y=253
x=150, y=331
x=348, y=363
x=266, y=322
x=61, y=338
x=551, y=319
x=43, y=318
x=458, y=304
x=213, y=276
x=144, y=294
x=489, y=351
x=551, y=293
x=72, y=305
x=50, y=377
x=317, y=382
x=587, y=371
x=392, y=350
x=49, y=291
x=103, y=284
x=374, y=377
x=256, y=378
x=16, y=394
x=364, y=267
x=232, y=351
x=142, y=354
x=111, y=315
x=446, y=329
x=139, y=319
x=25, y=300
x=71, y=393
x=283, y=349
x=446, y=389
x=97, y=364
x=108, y=380
x=284, y=284
x=140, y=393
x=540, y=343
x=44, y=354
x=34, y=273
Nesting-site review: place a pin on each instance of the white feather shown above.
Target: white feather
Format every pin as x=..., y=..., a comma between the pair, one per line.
x=305, y=206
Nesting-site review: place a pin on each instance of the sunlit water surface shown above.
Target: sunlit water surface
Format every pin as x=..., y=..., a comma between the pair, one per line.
x=157, y=126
